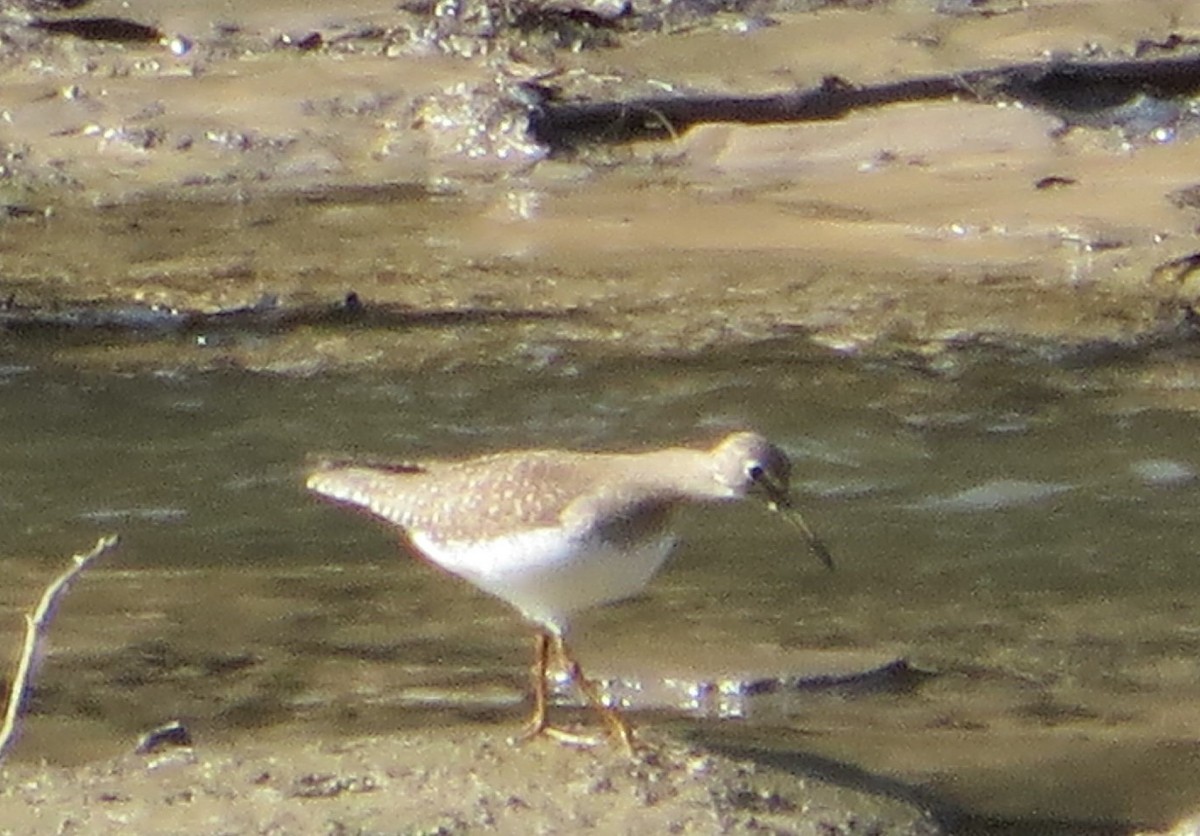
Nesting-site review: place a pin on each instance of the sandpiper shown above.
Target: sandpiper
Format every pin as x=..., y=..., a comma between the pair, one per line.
x=553, y=532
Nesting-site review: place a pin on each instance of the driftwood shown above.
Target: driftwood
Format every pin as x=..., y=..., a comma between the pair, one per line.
x=268, y=316
x=36, y=625
x=1080, y=92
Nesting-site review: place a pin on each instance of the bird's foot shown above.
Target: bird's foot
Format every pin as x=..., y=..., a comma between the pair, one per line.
x=621, y=734
x=566, y=736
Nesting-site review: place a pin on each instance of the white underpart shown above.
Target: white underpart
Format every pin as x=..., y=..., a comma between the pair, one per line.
x=546, y=573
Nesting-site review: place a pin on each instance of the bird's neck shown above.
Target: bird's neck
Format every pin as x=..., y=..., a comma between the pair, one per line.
x=679, y=472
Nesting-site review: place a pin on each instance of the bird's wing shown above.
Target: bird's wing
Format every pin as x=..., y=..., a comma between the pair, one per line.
x=462, y=500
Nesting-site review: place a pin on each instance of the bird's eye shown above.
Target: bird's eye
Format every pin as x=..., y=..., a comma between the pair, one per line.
x=755, y=472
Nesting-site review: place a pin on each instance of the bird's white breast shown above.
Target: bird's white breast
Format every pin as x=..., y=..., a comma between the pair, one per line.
x=548, y=573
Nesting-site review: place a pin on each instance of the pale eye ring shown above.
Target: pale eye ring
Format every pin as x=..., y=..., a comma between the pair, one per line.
x=755, y=471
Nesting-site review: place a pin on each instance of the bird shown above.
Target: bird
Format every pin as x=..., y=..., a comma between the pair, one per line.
x=554, y=532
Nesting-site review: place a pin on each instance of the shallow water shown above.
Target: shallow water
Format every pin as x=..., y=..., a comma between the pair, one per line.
x=1022, y=528
x=1018, y=524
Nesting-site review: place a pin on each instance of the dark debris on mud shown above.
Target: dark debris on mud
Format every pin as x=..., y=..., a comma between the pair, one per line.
x=447, y=783
x=1151, y=90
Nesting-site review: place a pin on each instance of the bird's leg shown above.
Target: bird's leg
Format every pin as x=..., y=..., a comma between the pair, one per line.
x=541, y=658
x=538, y=724
x=617, y=727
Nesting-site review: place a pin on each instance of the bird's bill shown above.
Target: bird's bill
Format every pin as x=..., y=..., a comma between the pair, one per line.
x=779, y=501
x=794, y=517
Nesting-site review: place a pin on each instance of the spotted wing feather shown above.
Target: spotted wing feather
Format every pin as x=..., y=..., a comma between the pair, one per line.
x=464, y=501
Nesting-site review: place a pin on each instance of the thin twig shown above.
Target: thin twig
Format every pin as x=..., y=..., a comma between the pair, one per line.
x=36, y=625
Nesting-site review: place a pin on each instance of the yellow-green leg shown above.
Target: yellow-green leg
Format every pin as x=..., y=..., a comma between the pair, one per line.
x=617, y=727
x=541, y=659
x=539, y=724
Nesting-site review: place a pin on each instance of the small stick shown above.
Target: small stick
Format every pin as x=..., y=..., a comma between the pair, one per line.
x=36, y=625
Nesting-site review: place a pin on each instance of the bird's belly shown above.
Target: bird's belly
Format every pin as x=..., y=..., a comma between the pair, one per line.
x=549, y=577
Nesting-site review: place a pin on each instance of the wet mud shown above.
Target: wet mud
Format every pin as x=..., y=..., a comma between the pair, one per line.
x=390, y=156
x=376, y=189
